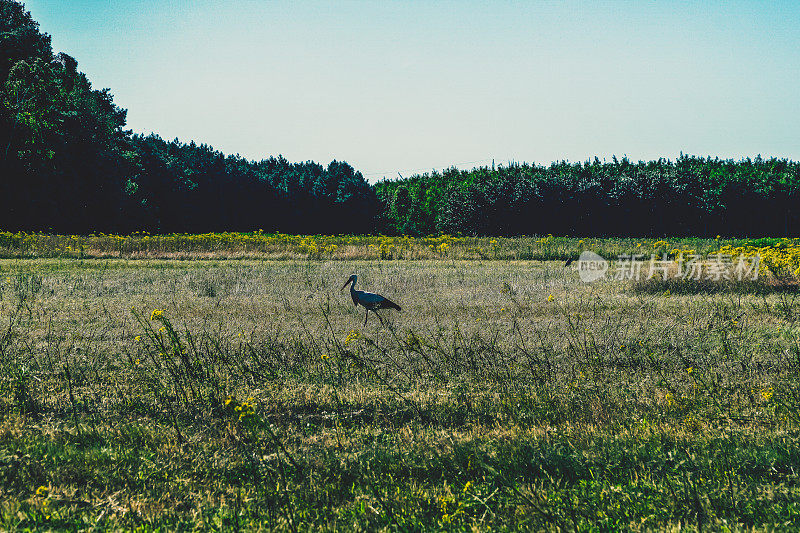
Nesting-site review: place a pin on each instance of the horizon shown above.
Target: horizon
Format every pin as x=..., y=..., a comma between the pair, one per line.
x=412, y=87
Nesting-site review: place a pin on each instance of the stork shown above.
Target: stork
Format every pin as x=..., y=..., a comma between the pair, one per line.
x=369, y=300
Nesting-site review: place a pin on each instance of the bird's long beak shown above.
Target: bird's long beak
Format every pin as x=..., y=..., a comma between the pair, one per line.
x=346, y=283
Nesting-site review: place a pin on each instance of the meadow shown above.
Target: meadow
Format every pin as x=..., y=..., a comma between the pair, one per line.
x=260, y=245
x=146, y=391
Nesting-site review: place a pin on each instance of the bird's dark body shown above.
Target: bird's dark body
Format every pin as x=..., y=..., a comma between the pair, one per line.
x=385, y=303
x=369, y=300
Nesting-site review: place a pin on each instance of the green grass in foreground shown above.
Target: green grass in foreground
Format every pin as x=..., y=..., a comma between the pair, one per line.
x=506, y=395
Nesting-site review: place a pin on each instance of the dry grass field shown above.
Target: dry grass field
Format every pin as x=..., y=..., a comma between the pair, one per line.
x=246, y=395
x=259, y=245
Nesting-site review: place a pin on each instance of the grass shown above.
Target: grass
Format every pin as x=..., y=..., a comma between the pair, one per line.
x=259, y=245
x=506, y=395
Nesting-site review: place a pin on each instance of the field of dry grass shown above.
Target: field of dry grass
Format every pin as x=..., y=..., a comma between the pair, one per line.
x=259, y=245
x=507, y=394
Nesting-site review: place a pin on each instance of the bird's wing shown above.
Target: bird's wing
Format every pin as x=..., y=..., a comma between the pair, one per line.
x=387, y=303
x=369, y=298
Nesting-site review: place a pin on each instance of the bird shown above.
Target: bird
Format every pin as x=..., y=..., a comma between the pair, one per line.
x=369, y=300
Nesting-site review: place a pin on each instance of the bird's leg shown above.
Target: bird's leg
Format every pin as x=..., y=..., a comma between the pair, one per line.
x=379, y=317
x=366, y=315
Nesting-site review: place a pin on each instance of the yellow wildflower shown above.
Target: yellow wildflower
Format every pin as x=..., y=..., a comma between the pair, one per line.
x=670, y=399
x=353, y=335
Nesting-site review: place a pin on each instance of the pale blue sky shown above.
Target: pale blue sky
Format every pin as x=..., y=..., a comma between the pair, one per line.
x=411, y=86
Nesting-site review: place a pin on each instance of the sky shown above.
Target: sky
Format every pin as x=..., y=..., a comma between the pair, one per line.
x=408, y=87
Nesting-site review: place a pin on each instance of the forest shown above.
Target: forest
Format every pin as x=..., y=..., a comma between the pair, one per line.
x=69, y=165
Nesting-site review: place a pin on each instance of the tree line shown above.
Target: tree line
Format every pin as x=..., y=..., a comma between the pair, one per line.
x=68, y=165
x=691, y=196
